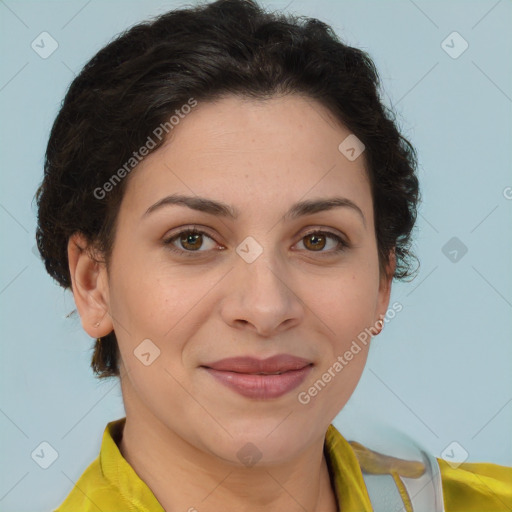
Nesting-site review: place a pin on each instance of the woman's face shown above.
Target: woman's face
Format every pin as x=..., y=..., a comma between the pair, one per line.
x=255, y=285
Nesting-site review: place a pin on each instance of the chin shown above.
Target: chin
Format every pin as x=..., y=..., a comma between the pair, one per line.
x=262, y=442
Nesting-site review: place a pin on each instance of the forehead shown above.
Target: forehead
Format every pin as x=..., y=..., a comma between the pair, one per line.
x=234, y=149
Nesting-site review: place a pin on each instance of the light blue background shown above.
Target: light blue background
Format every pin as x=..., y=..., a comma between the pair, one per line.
x=439, y=372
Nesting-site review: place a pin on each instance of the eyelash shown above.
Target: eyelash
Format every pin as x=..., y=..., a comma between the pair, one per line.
x=342, y=244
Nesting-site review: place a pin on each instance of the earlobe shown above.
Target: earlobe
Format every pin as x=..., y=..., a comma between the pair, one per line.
x=90, y=287
x=378, y=326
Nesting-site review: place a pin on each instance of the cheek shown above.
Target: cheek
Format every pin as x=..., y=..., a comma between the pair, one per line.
x=146, y=296
x=158, y=303
x=346, y=305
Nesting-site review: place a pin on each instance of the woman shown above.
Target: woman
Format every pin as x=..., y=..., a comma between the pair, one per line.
x=229, y=202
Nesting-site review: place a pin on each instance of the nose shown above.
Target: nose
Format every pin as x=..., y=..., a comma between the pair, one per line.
x=261, y=297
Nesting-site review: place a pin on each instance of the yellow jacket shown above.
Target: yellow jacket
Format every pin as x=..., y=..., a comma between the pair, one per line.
x=110, y=484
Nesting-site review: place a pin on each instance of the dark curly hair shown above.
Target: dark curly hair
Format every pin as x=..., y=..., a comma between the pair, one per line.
x=229, y=47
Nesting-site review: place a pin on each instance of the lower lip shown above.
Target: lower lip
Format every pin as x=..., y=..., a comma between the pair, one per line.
x=261, y=386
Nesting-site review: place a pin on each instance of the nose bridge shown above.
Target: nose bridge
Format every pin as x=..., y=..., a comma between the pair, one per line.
x=261, y=297
x=261, y=270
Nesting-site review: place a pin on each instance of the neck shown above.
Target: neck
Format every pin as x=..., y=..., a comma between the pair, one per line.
x=184, y=477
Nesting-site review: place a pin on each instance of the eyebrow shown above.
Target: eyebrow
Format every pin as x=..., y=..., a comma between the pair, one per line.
x=221, y=209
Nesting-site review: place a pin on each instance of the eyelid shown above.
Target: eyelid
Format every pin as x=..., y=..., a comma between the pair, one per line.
x=326, y=231
x=208, y=231
x=186, y=228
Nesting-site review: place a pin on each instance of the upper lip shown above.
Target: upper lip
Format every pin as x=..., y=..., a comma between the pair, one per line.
x=275, y=364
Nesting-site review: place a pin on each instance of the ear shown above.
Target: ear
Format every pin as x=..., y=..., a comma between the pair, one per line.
x=90, y=287
x=385, y=285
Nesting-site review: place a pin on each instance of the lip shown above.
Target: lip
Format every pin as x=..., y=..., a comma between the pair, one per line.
x=250, y=377
x=248, y=364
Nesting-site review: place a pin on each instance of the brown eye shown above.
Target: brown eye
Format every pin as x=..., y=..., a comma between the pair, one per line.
x=317, y=241
x=191, y=241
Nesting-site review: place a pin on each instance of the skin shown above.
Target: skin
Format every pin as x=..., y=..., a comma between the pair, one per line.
x=183, y=428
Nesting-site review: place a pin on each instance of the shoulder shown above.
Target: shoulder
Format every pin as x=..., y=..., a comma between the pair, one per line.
x=109, y=483
x=466, y=487
x=476, y=486
x=92, y=492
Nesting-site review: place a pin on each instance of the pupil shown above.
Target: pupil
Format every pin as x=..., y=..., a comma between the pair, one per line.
x=315, y=240
x=191, y=239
